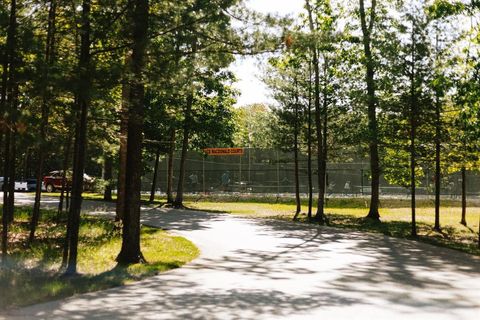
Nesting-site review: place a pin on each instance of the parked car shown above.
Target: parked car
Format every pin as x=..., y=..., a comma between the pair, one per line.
x=54, y=181
x=19, y=185
x=31, y=184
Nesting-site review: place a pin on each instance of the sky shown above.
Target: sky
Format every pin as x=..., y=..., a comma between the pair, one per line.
x=247, y=69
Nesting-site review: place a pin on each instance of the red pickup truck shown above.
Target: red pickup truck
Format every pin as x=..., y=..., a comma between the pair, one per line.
x=54, y=181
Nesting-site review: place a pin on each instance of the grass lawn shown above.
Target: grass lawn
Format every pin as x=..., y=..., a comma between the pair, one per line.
x=350, y=212
x=395, y=216
x=32, y=275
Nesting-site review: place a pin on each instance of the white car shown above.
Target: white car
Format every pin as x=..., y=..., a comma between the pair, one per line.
x=19, y=185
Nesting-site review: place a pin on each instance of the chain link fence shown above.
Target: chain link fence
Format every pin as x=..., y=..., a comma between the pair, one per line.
x=272, y=172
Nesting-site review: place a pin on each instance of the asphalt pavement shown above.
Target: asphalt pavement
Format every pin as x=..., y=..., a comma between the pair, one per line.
x=266, y=269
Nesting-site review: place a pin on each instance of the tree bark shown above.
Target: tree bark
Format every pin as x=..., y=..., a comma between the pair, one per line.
x=84, y=87
x=122, y=153
x=107, y=177
x=44, y=120
x=323, y=160
x=5, y=214
x=309, y=151
x=320, y=217
x=464, y=196
x=171, y=152
x=8, y=107
x=130, y=251
x=155, y=174
x=372, y=112
x=438, y=176
x=178, y=203
x=65, y=167
x=413, y=127
x=295, y=152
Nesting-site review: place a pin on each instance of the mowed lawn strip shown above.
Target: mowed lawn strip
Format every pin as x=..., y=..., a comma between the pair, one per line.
x=32, y=275
x=395, y=221
x=348, y=212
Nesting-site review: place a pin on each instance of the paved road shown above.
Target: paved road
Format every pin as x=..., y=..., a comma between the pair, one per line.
x=259, y=269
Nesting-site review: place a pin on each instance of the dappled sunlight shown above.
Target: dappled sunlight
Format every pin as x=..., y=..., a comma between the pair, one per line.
x=271, y=269
x=277, y=269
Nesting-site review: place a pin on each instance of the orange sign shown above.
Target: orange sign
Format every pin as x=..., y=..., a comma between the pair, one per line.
x=224, y=151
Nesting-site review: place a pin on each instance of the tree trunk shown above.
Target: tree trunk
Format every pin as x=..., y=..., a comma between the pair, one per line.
x=8, y=106
x=123, y=145
x=130, y=251
x=295, y=152
x=323, y=160
x=413, y=127
x=11, y=173
x=318, y=122
x=437, y=163
x=372, y=112
x=464, y=196
x=5, y=214
x=309, y=156
x=44, y=120
x=155, y=174
x=66, y=188
x=412, y=174
x=65, y=167
x=178, y=203
x=107, y=177
x=171, y=152
x=84, y=87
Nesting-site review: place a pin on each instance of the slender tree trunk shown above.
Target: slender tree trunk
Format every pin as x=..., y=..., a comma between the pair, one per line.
x=8, y=108
x=367, y=29
x=464, y=196
x=438, y=177
x=107, y=177
x=123, y=145
x=178, y=203
x=171, y=152
x=413, y=127
x=130, y=251
x=320, y=217
x=66, y=187
x=309, y=156
x=412, y=174
x=323, y=160
x=44, y=120
x=84, y=87
x=5, y=222
x=155, y=174
x=11, y=178
x=65, y=168
x=295, y=152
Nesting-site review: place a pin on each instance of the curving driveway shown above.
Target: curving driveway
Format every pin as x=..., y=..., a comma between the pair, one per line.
x=263, y=269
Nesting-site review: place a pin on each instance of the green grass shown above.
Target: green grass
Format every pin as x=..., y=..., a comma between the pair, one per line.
x=33, y=275
x=349, y=214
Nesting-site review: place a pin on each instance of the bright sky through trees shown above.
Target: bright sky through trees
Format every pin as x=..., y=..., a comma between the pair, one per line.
x=248, y=69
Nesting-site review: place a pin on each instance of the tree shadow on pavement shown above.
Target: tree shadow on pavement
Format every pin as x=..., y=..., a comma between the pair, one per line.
x=281, y=269
x=179, y=220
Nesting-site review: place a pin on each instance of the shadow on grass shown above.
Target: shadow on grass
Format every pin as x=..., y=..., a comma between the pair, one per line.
x=207, y=210
x=448, y=236
x=285, y=277
x=22, y=286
